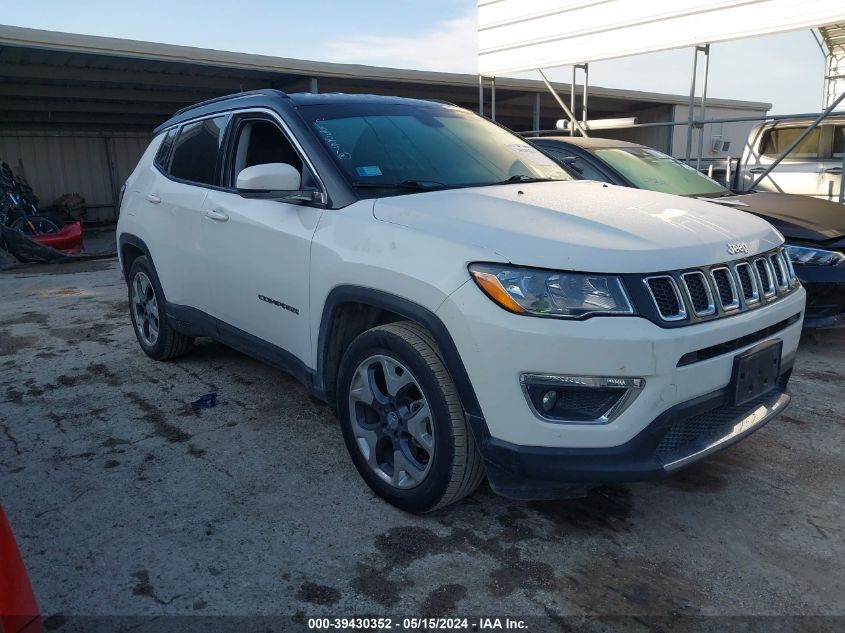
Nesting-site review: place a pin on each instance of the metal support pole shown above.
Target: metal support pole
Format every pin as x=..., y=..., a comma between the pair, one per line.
x=691, y=113
x=113, y=177
x=703, y=116
x=312, y=86
x=797, y=141
x=575, y=122
x=493, y=98
x=481, y=95
x=842, y=177
x=572, y=99
x=536, y=111
x=586, y=85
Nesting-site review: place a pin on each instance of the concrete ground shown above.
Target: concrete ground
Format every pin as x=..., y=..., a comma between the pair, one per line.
x=125, y=501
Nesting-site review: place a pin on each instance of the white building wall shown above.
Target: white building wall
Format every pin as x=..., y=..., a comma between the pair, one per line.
x=736, y=133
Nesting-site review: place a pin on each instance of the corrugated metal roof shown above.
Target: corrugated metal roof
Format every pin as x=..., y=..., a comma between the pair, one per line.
x=154, y=55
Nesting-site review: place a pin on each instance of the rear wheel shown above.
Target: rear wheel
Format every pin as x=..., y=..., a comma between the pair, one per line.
x=153, y=330
x=402, y=420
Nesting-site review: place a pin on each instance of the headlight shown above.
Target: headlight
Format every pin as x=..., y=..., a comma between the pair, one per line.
x=811, y=256
x=549, y=293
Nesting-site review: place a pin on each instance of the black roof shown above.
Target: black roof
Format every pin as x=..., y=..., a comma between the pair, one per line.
x=276, y=98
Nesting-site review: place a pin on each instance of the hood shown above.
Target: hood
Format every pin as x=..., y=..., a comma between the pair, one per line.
x=800, y=218
x=582, y=226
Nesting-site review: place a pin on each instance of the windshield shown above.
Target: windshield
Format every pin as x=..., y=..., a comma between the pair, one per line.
x=647, y=168
x=426, y=146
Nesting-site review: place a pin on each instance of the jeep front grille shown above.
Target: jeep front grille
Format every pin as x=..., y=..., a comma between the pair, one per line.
x=699, y=293
x=764, y=274
x=780, y=270
x=664, y=292
x=747, y=282
x=726, y=287
x=722, y=289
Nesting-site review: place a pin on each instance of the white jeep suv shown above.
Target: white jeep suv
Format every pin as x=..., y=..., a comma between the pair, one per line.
x=467, y=308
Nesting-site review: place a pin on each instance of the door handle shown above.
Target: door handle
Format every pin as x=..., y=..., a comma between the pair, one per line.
x=757, y=170
x=153, y=198
x=833, y=170
x=217, y=216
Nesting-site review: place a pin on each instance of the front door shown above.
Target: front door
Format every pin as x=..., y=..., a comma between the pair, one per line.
x=257, y=252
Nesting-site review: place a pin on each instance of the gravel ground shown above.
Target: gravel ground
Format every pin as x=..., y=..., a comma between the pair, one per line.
x=126, y=502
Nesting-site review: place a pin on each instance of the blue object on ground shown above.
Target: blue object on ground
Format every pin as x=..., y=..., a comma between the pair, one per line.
x=205, y=402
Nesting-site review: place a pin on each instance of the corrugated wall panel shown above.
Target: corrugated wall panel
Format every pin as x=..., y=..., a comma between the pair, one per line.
x=55, y=164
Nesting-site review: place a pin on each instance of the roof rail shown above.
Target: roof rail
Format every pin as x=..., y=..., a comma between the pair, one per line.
x=248, y=93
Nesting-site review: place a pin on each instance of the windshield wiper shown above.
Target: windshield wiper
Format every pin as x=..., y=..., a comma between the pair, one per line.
x=412, y=185
x=520, y=178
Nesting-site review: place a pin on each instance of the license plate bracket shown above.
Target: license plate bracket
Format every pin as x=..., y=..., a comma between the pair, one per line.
x=756, y=371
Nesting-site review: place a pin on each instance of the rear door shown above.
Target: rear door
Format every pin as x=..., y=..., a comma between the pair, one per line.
x=258, y=251
x=800, y=172
x=175, y=201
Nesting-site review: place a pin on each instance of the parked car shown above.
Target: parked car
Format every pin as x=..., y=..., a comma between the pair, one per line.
x=813, y=168
x=814, y=229
x=466, y=306
x=18, y=608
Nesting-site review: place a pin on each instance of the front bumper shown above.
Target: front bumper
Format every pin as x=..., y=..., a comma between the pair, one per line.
x=677, y=438
x=825, y=286
x=686, y=372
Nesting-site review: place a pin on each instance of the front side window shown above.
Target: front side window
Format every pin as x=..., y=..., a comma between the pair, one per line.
x=260, y=141
x=777, y=140
x=430, y=146
x=646, y=168
x=196, y=151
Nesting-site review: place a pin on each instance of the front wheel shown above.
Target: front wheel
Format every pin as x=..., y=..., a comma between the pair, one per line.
x=402, y=420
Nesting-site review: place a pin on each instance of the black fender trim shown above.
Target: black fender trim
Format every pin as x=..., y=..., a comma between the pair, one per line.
x=413, y=312
x=137, y=242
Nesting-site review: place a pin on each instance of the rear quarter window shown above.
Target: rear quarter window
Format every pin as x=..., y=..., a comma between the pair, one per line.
x=163, y=155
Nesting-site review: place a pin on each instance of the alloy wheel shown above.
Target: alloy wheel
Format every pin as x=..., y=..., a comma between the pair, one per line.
x=391, y=421
x=145, y=309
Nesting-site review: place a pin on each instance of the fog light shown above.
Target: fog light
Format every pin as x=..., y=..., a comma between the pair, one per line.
x=549, y=399
x=579, y=399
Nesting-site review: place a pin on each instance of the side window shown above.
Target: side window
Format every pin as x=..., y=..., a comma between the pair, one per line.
x=576, y=165
x=163, y=154
x=196, y=151
x=838, y=141
x=260, y=141
x=777, y=140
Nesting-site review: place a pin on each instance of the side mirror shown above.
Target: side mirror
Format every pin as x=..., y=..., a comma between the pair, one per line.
x=275, y=177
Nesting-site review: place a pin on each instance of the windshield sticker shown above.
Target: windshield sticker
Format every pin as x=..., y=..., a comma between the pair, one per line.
x=534, y=156
x=369, y=170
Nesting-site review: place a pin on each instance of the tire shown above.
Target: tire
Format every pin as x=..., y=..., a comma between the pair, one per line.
x=153, y=330
x=410, y=443
x=35, y=225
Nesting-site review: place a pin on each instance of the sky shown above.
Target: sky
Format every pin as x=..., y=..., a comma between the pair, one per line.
x=784, y=70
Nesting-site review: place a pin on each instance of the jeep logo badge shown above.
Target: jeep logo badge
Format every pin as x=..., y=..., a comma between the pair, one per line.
x=737, y=247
